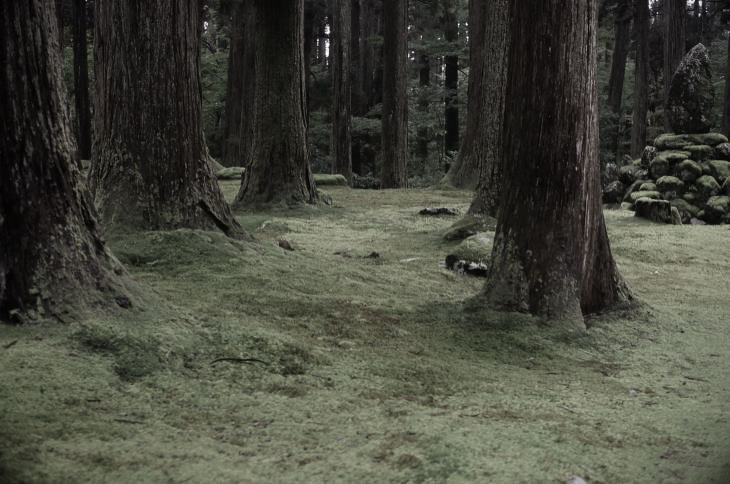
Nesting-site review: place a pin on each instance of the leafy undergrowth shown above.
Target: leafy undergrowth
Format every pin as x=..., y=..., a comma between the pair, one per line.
x=331, y=364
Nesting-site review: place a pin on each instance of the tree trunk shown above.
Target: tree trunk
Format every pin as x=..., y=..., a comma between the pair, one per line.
x=358, y=96
x=81, y=80
x=479, y=163
x=239, y=94
x=395, y=94
x=622, y=39
x=341, y=89
x=424, y=80
x=641, y=78
x=150, y=167
x=53, y=260
x=277, y=165
x=59, y=25
x=371, y=65
x=451, y=82
x=726, y=105
x=551, y=253
x=674, y=38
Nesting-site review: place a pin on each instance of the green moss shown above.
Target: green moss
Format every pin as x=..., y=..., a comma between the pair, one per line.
x=700, y=152
x=322, y=179
x=230, y=173
x=672, y=141
x=688, y=171
x=637, y=195
x=648, y=187
x=469, y=225
x=373, y=370
x=718, y=169
x=669, y=184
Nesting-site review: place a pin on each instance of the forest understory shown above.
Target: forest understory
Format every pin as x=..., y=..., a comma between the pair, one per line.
x=331, y=364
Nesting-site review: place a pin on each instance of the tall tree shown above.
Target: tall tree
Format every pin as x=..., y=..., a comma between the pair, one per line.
x=341, y=88
x=726, y=104
x=239, y=94
x=371, y=23
x=277, y=165
x=53, y=260
x=358, y=95
x=551, y=253
x=451, y=77
x=150, y=165
x=81, y=80
x=395, y=94
x=480, y=157
x=622, y=37
x=641, y=77
x=674, y=49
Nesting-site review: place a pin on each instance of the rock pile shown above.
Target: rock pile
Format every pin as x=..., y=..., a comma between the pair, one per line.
x=689, y=173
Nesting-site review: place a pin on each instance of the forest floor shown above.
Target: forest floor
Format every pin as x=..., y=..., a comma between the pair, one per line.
x=344, y=368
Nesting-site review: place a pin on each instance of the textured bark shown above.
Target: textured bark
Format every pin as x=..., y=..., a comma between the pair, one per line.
x=59, y=25
x=53, y=260
x=395, y=94
x=480, y=159
x=551, y=253
x=726, y=105
x=424, y=80
x=451, y=80
x=674, y=39
x=341, y=89
x=358, y=95
x=239, y=94
x=371, y=67
x=641, y=77
x=277, y=165
x=81, y=80
x=150, y=165
x=622, y=37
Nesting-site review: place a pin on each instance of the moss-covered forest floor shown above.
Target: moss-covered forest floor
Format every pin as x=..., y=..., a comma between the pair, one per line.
x=374, y=369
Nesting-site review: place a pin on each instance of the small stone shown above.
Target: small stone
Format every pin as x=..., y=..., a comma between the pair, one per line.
x=655, y=210
x=696, y=221
x=284, y=245
x=577, y=480
x=716, y=209
x=691, y=93
x=722, y=151
x=614, y=192
x=438, y=211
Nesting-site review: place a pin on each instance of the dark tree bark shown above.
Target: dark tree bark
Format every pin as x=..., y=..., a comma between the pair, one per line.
x=641, y=77
x=150, y=165
x=424, y=80
x=53, y=260
x=81, y=80
x=358, y=95
x=622, y=23
x=59, y=24
x=451, y=81
x=239, y=92
x=726, y=105
x=371, y=65
x=277, y=165
x=479, y=162
x=395, y=94
x=674, y=39
x=551, y=253
x=341, y=89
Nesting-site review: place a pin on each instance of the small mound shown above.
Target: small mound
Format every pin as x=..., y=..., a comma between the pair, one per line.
x=322, y=179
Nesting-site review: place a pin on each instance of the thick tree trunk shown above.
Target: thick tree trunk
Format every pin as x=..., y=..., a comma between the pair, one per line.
x=277, y=165
x=395, y=94
x=53, y=260
x=358, y=95
x=641, y=77
x=150, y=165
x=424, y=80
x=451, y=81
x=622, y=39
x=551, y=253
x=726, y=105
x=341, y=89
x=239, y=92
x=674, y=38
x=59, y=25
x=371, y=65
x=81, y=80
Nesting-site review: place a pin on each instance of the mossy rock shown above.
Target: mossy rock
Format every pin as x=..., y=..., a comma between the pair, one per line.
x=700, y=152
x=651, y=195
x=691, y=197
x=634, y=187
x=712, y=139
x=688, y=171
x=614, y=192
x=230, y=173
x=716, y=209
x=722, y=151
x=718, y=169
x=707, y=187
x=477, y=248
x=686, y=210
x=725, y=189
x=669, y=184
x=647, y=155
x=663, y=162
x=469, y=226
x=627, y=174
x=655, y=210
x=672, y=141
x=323, y=179
x=647, y=187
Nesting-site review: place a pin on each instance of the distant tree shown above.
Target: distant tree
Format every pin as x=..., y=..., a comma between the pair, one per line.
x=641, y=77
x=53, y=260
x=451, y=77
x=480, y=157
x=277, y=165
x=674, y=39
x=150, y=166
x=622, y=37
x=395, y=94
x=239, y=92
x=726, y=103
x=551, y=253
x=340, y=54
x=81, y=80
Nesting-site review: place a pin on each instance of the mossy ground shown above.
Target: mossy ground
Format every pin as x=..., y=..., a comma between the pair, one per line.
x=374, y=369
